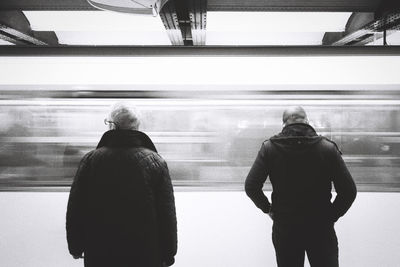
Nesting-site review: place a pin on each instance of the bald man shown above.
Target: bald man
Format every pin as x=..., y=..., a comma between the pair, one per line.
x=302, y=167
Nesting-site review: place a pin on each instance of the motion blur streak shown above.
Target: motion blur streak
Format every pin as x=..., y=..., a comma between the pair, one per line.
x=209, y=139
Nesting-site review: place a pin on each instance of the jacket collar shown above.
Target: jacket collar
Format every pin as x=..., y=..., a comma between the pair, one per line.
x=296, y=138
x=126, y=138
x=298, y=129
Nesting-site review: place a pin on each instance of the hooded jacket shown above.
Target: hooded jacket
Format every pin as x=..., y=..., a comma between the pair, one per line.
x=302, y=167
x=121, y=209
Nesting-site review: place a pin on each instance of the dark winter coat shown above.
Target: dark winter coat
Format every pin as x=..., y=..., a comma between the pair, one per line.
x=301, y=166
x=121, y=209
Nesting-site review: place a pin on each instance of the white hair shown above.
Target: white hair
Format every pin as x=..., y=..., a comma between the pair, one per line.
x=124, y=117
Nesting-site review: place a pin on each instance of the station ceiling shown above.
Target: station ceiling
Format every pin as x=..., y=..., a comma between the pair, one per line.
x=215, y=5
x=60, y=23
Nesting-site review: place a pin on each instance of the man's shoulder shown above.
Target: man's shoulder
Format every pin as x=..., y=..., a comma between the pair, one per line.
x=140, y=153
x=150, y=157
x=145, y=157
x=325, y=143
x=268, y=142
x=329, y=144
x=88, y=156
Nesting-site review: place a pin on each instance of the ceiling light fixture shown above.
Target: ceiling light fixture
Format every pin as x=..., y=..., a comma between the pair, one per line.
x=143, y=7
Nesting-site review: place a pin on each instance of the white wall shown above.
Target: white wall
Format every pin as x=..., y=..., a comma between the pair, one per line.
x=215, y=229
x=215, y=70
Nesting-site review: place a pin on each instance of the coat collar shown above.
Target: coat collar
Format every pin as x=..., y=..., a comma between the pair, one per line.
x=298, y=129
x=296, y=138
x=126, y=138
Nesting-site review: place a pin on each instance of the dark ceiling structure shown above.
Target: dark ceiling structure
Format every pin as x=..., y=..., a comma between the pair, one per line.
x=214, y=5
x=185, y=21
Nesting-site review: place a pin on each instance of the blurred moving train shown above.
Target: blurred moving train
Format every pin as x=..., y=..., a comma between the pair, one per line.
x=208, y=140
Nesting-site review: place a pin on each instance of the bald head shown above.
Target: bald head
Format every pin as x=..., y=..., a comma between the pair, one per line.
x=124, y=117
x=294, y=115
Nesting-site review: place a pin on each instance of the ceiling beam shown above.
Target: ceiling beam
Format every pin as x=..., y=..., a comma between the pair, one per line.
x=182, y=11
x=363, y=28
x=371, y=31
x=15, y=28
x=294, y=5
x=198, y=20
x=169, y=18
x=34, y=5
x=185, y=21
x=208, y=51
x=18, y=38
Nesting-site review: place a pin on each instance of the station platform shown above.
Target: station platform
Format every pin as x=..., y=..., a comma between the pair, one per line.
x=216, y=229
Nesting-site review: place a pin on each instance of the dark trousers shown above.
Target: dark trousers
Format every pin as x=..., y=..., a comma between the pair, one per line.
x=292, y=241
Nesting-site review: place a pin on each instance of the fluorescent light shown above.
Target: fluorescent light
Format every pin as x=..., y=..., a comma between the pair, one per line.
x=393, y=38
x=264, y=38
x=91, y=21
x=4, y=42
x=328, y=70
x=100, y=27
x=277, y=21
x=272, y=28
x=112, y=38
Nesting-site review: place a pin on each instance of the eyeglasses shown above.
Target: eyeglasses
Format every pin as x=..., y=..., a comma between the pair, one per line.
x=107, y=122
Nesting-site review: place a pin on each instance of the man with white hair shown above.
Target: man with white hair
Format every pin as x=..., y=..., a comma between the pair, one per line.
x=121, y=208
x=302, y=166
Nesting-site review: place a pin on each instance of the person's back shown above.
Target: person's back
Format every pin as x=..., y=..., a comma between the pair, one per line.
x=301, y=166
x=121, y=209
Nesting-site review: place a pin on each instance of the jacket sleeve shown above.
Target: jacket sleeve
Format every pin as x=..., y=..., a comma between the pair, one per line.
x=166, y=214
x=75, y=209
x=344, y=185
x=255, y=180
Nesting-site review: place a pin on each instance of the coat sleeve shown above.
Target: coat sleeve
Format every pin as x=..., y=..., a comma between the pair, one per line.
x=344, y=185
x=255, y=181
x=75, y=209
x=166, y=214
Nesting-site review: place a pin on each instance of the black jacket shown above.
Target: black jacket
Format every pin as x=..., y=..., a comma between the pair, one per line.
x=301, y=166
x=121, y=208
